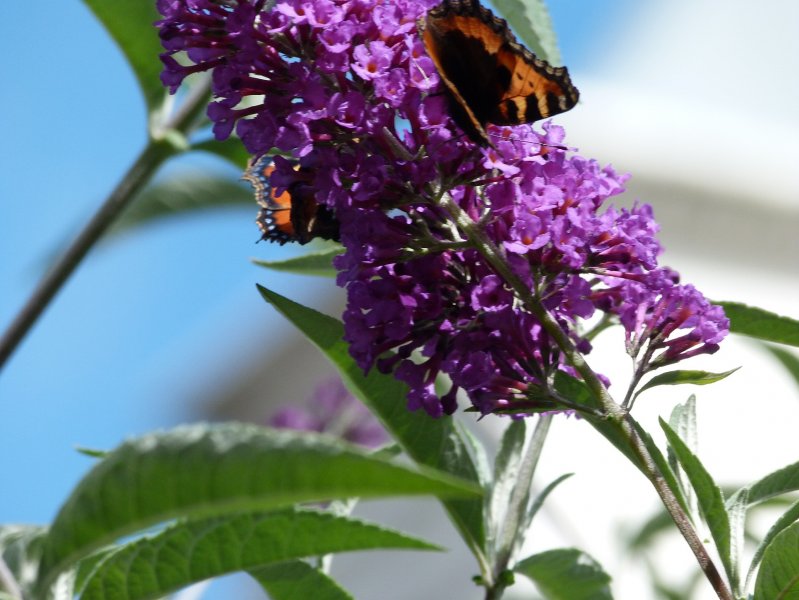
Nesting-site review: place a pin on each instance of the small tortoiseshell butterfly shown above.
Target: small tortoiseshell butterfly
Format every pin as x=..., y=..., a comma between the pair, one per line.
x=294, y=215
x=489, y=76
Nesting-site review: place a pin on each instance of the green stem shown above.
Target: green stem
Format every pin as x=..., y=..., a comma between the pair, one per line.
x=613, y=412
x=496, y=259
x=518, y=502
x=675, y=510
x=157, y=151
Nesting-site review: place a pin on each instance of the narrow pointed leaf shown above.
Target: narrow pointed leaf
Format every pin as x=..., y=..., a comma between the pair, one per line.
x=532, y=510
x=185, y=193
x=510, y=493
x=531, y=22
x=737, y=506
x=683, y=377
x=683, y=422
x=761, y=324
x=512, y=532
x=297, y=580
x=779, y=482
x=506, y=469
x=314, y=263
x=207, y=470
x=193, y=551
x=231, y=150
x=539, y=500
x=644, y=536
x=476, y=452
x=708, y=495
x=431, y=442
x=778, y=578
x=91, y=452
x=788, y=518
x=566, y=574
x=663, y=466
x=788, y=359
x=130, y=23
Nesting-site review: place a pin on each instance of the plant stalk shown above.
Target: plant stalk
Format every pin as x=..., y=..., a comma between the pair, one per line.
x=614, y=413
x=518, y=503
x=157, y=151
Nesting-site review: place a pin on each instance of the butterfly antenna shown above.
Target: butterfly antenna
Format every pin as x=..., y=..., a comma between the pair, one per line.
x=544, y=144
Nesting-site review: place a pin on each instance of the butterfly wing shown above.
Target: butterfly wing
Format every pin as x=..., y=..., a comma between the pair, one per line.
x=455, y=44
x=489, y=76
x=536, y=89
x=292, y=216
x=274, y=218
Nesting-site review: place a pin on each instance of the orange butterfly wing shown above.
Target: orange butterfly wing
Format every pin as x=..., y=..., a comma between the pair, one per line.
x=489, y=76
x=292, y=216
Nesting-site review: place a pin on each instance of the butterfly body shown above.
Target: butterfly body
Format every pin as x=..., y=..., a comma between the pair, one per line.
x=490, y=77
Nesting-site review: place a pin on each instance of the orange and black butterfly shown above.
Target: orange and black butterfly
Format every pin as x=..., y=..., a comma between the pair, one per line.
x=489, y=76
x=294, y=215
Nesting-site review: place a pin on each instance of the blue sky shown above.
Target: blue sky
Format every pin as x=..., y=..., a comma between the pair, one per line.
x=151, y=317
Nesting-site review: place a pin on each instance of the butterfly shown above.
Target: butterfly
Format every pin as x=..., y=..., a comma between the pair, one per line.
x=292, y=216
x=489, y=76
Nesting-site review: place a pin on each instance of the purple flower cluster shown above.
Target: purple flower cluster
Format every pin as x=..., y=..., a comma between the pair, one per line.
x=333, y=410
x=346, y=88
x=665, y=322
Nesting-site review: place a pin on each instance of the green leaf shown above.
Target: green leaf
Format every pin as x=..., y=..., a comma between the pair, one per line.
x=297, y=580
x=91, y=452
x=432, y=442
x=709, y=498
x=314, y=263
x=230, y=149
x=506, y=468
x=193, y=551
x=130, y=24
x=514, y=469
x=643, y=537
x=776, y=483
x=789, y=517
x=566, y=574
x=184, y=193
x=539, y=500
x=682, y=377
x=683, y=422
x=531, y=22
x=476, y=452
x=788, y=359
x=761, y=324
x=661, y=463
x=207, y=470
x=736, y=507
x=87, y=566
x=778, y=578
